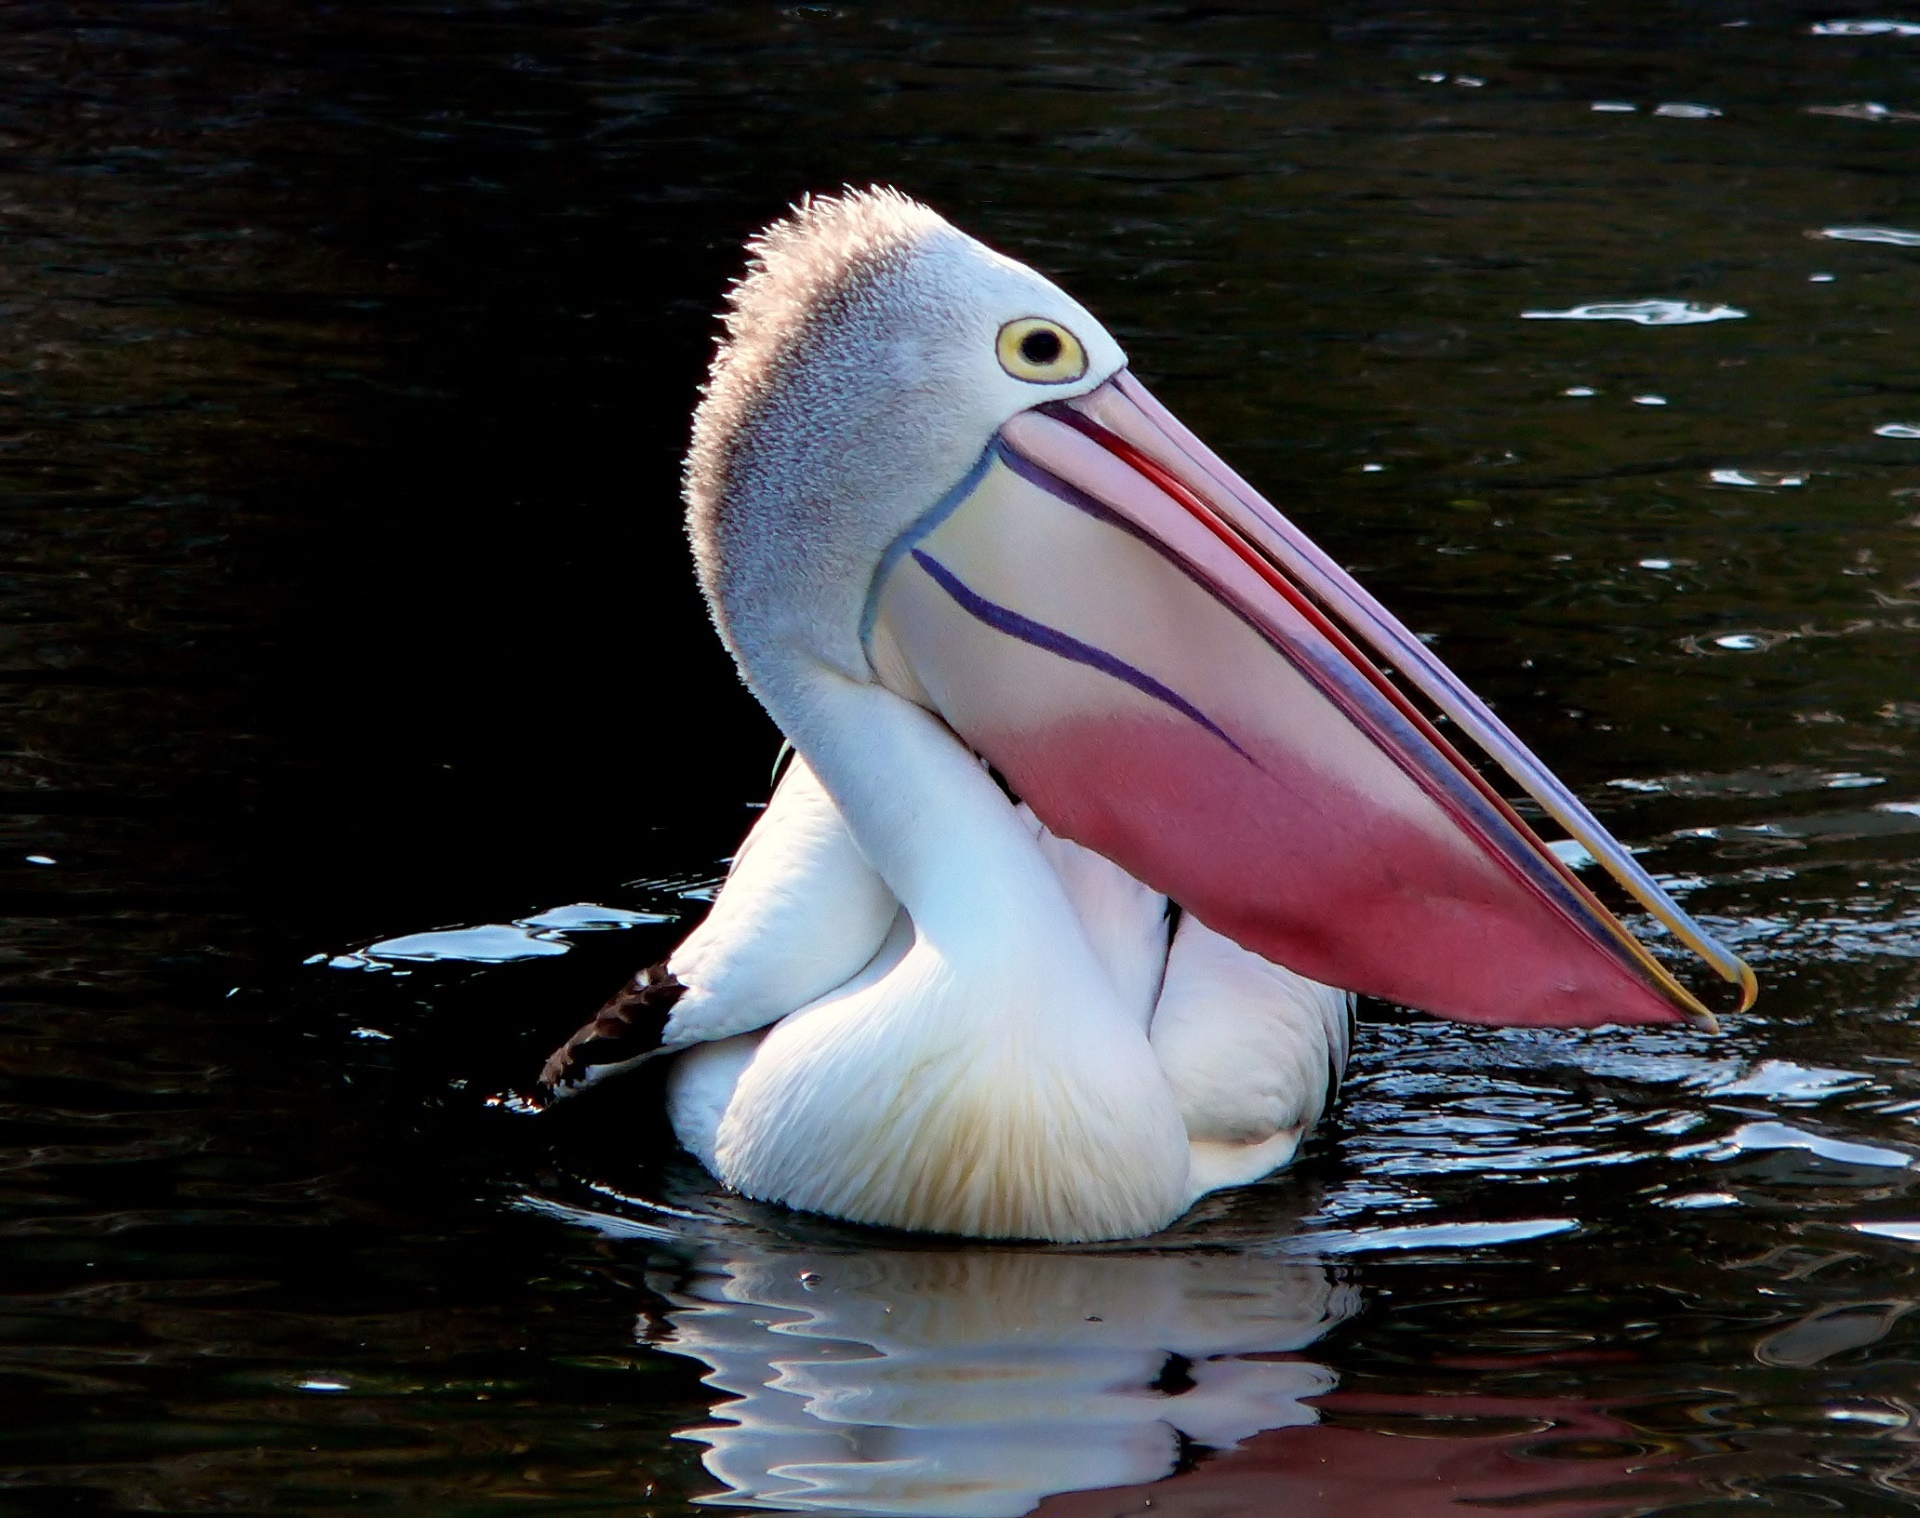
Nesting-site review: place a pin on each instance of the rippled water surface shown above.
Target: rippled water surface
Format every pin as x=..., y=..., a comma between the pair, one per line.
x=363, y=729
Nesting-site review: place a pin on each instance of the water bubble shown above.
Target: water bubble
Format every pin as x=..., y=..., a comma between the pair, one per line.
x=1468, y=81
x=1372, y=468
x=1819, y=279
x=1645, y=313
x=1896, y=429
x=1740, y=642
x=1615, y=106
x=1893, y=237
x=373, y=1034
x=1649, y=400
x=1656, y=563
x=40, y=859
x=1580, y=390
x=1685, y=111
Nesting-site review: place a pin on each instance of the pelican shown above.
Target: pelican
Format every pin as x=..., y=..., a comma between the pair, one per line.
x=1103, y=800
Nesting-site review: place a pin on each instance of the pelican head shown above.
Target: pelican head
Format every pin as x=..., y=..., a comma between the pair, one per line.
x=920, y=467
x=872, y=352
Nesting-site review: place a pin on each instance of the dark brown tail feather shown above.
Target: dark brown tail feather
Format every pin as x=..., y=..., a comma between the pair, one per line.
x=628, y=1027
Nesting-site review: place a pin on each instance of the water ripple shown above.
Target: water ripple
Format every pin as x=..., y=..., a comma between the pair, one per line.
x=1864, y=110
x=1891, y=236
x=1644, y=313
x=1339, y=1241
x=1906, y=1233
x=491, y=943
x=1865, y=29
x=1782, y=1080
x=1768, y=1137
x=1773, y=780
x=1763, y=478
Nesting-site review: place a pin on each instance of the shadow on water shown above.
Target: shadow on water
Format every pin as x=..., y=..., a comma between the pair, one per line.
x=363, y=728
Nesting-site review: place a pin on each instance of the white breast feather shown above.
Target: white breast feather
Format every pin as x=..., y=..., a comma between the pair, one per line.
x=958, y=1103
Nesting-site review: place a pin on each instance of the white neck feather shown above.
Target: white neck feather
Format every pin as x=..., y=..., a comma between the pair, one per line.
x=993, y=1082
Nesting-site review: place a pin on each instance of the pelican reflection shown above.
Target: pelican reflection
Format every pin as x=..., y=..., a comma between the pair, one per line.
x=977, y=1380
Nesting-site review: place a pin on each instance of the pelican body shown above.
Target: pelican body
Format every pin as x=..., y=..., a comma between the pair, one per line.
x=1103, y=804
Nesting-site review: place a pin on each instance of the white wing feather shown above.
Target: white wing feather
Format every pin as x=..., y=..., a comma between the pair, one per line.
x=800, y=913
x=1254, y=1053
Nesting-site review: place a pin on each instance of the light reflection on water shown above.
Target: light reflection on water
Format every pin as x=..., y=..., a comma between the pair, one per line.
x=1644, y=313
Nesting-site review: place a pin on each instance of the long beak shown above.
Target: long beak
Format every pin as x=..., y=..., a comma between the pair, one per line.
x=1172, y=674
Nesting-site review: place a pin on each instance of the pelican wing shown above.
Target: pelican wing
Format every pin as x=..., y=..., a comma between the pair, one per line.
x=800, y=914
x=1252, y=1050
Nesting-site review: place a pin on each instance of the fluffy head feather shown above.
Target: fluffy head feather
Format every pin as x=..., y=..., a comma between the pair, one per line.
x=855, y=383
x=828, y=252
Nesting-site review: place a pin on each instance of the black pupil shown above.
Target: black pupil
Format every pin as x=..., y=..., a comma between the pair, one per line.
x=1040, y=347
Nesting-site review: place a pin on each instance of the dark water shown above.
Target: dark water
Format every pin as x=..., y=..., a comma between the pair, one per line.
x=345, y=364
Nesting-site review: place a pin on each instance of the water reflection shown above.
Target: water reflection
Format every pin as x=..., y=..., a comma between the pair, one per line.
x=1386, y=1456
x=976, y=1381
x=540, y=936
x=970, y=1382
x=1646, y=313
x=1865, y=29
x=1831, y=1331
x=920, y=1377
x=1892, y=236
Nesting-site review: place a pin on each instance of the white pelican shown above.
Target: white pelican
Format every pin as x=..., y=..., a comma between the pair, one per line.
x=941, y=527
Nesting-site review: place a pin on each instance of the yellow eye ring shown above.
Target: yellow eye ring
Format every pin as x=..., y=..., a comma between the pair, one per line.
x=1040, y=351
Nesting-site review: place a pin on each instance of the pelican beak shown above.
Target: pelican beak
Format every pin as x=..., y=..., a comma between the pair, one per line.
x=1171, y=673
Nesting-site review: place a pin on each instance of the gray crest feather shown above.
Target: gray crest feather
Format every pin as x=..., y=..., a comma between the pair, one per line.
x=833, y=340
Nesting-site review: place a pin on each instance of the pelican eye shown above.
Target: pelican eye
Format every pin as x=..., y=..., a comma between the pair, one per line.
x=1041, y=351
